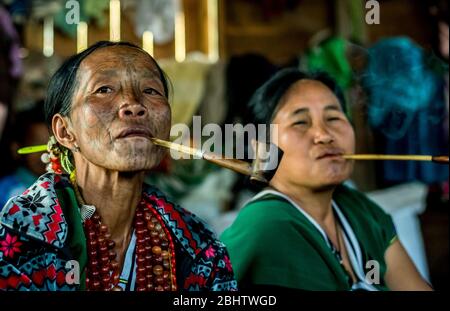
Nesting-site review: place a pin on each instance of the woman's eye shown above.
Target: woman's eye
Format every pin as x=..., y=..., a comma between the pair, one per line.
x=300, y=123
x=151, y=91
x=334, y=119
x=104, y=90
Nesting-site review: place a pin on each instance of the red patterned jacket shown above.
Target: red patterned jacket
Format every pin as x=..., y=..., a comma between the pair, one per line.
x=37, y=241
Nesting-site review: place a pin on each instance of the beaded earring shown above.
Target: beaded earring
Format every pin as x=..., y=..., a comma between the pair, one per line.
x=58, y=158
x=51, y=157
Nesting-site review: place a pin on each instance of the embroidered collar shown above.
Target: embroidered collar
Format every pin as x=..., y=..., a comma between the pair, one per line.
x=37, y=213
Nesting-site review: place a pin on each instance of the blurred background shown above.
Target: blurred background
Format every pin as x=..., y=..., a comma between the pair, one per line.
x=390, y=57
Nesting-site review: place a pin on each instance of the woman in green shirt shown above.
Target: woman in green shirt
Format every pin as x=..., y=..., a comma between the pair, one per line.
x=307, y=230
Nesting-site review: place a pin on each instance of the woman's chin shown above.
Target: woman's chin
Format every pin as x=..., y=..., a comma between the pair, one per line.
x=131, y=165
x=334, y=179
x=327, y=185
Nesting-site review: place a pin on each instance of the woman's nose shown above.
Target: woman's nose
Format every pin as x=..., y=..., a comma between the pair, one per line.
x=322, y=136
x=132, y=111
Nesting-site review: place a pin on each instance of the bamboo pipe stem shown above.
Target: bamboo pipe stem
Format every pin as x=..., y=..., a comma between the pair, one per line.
x=437, y=159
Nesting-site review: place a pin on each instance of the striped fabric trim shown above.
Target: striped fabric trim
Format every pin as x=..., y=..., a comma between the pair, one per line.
x=393, y=240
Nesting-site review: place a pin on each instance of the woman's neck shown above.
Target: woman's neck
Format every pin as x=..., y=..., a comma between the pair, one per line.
x=317, y=203
x=115, y=195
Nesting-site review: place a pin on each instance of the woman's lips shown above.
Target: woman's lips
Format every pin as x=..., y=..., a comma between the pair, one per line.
x=135, y=132
x=330, y=154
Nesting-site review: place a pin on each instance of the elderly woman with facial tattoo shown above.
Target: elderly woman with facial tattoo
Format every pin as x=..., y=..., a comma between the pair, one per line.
x=100, y=227
x=307, y=231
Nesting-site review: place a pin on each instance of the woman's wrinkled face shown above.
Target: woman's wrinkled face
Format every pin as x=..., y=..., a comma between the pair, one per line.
x=313, y=132
x=118, y=104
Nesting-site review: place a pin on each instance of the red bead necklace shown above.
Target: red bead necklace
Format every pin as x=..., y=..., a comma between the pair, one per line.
x=155, y=253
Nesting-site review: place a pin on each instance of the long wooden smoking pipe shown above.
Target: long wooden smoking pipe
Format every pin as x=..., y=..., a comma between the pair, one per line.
x=239, y=166
x=252, y=169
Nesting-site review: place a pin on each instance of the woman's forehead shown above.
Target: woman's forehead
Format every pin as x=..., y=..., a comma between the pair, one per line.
x=119, y=57
x=308, y=92
x=304, y=95
x=309, y=88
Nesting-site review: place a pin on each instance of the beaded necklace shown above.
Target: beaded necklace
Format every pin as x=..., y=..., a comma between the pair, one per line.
x=339, y=250
x=155, y=251
x=338, y=239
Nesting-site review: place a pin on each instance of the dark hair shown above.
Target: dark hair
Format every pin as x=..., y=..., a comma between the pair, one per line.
x=265, y=100
x=62, y=84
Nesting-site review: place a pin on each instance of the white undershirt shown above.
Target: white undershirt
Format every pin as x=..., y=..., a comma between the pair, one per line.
x=127, y=280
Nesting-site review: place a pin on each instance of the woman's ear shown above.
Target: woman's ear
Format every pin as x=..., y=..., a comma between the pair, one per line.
x=62, y=132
